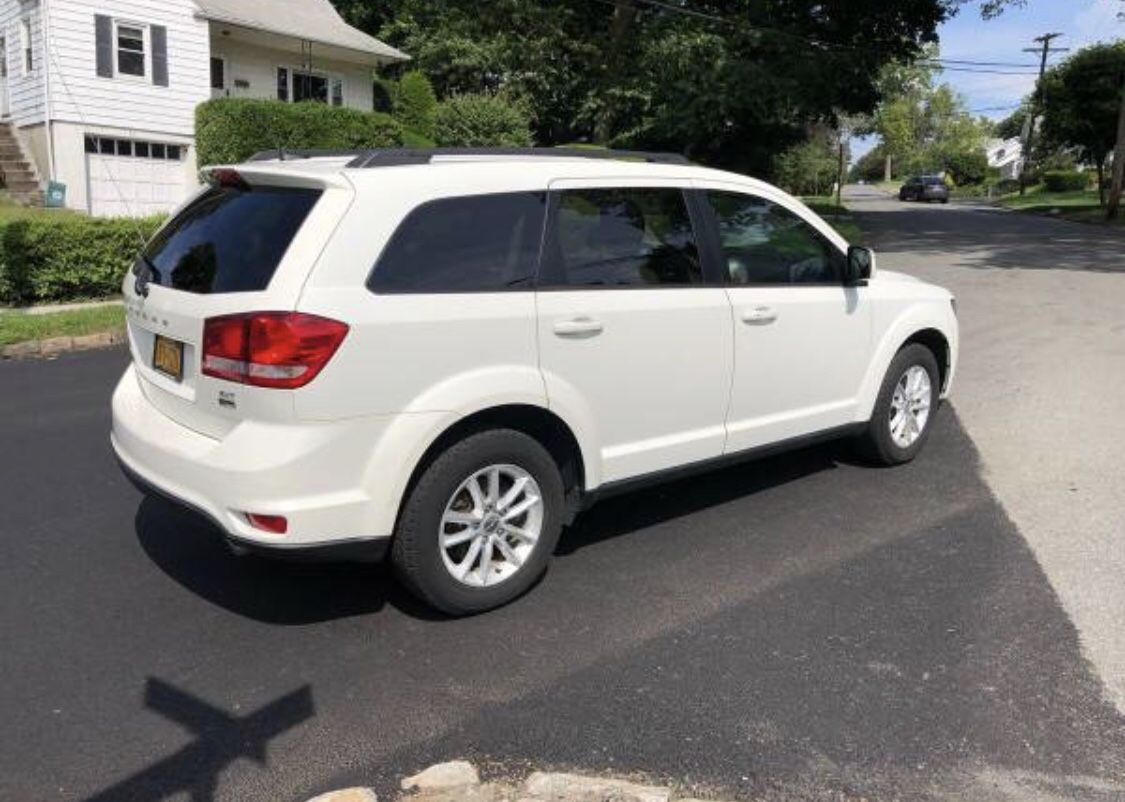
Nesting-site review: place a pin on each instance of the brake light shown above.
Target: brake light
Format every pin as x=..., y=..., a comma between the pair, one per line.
x=229, y=178
x=270, y=349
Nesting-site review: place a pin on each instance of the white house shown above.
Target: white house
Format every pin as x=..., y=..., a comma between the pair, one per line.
x=101, y=94
x=1007, y=155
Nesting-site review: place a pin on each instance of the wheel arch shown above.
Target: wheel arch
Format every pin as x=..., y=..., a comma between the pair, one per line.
x=539, y=423
x=925, y=325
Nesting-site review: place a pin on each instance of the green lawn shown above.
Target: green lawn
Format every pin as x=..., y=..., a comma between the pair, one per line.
x=18, y=327
x=1080, y=205
x=836, y=216
x=10, y=210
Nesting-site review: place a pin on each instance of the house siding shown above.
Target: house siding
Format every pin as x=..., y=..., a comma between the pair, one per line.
x=257, y=66
x=80, y=96
x=25, y=91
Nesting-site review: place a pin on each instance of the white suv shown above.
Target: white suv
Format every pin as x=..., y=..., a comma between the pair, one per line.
x=446, y=355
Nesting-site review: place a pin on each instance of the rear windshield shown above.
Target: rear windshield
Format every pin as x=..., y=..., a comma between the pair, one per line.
x=228, y=239
x=933, y=180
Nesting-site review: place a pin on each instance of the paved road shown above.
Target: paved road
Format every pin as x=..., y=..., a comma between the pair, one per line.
x=1041, y=387
x=803, y=627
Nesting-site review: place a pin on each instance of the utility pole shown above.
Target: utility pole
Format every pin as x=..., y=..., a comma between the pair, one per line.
x=1118, y=183
x=1043, y=50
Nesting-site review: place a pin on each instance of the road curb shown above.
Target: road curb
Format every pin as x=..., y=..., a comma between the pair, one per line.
x=45, y=349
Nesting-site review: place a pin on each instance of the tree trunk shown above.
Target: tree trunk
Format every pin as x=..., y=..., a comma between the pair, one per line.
x=1101, y=182
x=887, y=175
x=624, y=13
x=1118, y=163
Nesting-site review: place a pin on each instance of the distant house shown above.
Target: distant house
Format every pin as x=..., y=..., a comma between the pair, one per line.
x=1006, y=155
x=100, y=94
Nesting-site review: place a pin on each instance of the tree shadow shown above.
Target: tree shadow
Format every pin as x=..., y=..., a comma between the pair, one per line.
x=992, y=238
x=220, y=739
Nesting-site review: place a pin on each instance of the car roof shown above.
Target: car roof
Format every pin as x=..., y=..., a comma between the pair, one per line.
x=493, y=172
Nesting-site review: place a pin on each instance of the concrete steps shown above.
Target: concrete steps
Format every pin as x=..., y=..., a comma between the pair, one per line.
x=17, y=175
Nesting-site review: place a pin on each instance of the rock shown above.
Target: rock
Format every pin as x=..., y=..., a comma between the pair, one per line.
x=552, y=787
x=85, y=343
x=347, y=795
x=454, y=774
x=21, y=350
x=55, y=345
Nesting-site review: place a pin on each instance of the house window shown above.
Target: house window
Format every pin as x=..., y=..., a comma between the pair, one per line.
x=3, y=57
x=308, y=86
x=25, y=45
x=218, y=73
x=299, y=85
x=130, y=50
x=137, y=149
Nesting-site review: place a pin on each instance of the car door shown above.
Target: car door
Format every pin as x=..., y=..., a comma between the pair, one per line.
x=634, y=337
x=801, y=338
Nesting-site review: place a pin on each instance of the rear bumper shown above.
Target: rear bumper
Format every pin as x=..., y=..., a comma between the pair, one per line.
x=314, y=474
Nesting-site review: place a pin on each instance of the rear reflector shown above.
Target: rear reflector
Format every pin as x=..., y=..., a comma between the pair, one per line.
x=274, y=524
x=285, y=350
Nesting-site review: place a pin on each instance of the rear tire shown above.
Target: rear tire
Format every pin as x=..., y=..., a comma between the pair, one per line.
x=464, y=550
x=904, y=409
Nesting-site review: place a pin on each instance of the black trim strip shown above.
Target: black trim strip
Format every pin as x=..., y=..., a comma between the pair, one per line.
x=718, y=463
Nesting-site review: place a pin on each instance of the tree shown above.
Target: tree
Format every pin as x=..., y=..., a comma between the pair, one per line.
x=1082, y=103
x=735, y=86
x=414, y=103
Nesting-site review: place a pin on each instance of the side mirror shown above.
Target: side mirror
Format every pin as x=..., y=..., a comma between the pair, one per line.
x=860, y=266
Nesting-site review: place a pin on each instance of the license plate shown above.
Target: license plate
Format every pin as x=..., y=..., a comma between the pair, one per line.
x=168, y=357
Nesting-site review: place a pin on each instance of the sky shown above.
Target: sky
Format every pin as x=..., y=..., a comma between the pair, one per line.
x=968, y=37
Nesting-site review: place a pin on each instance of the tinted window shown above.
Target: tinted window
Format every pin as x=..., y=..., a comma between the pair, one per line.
x=764, y=243
x=479, y=243
x=623, y=238
x=228, y=240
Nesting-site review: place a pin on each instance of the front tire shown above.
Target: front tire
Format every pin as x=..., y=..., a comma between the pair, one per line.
x=904, y=410
x=481, y=522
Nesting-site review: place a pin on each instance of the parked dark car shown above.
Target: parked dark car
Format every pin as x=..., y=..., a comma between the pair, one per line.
x=925, y=188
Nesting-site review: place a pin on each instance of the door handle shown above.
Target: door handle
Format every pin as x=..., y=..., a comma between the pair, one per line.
x=579, y=327
x=759, y=315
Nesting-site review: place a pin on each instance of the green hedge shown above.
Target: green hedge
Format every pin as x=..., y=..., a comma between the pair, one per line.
x=53, y=258
x=230, y=130
x=481, y=121
x=1065, y=180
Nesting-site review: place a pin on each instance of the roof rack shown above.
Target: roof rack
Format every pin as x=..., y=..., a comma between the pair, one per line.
x=391, y=157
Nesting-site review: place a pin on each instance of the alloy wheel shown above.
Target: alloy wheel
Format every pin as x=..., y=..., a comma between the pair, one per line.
x=910, y=406
x=491, y=525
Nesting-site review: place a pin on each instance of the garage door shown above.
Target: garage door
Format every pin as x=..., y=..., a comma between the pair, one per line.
x=134, y=177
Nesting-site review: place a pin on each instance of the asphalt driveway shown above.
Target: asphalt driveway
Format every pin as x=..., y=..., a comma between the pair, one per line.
x=798, y=628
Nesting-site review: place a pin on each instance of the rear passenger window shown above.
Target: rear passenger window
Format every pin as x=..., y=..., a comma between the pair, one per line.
x=478, y=243
x=633, y=237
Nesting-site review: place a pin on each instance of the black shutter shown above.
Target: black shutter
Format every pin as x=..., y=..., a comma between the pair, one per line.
x=103, y=35
x=159, y=55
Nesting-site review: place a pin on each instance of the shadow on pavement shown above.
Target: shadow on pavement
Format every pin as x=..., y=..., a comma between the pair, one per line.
x=220, y=739
x=992, y=238
x=188, y=548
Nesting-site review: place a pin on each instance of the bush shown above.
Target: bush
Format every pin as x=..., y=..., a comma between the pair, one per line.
x=481, y=121
x=969, y=167
x=63, y=258
x=1006, y=186
x=231, y=130
x=1064, y=181
x=810, y=168
x=414, y=103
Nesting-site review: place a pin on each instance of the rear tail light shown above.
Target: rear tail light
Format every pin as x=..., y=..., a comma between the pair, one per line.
x=270, y=349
